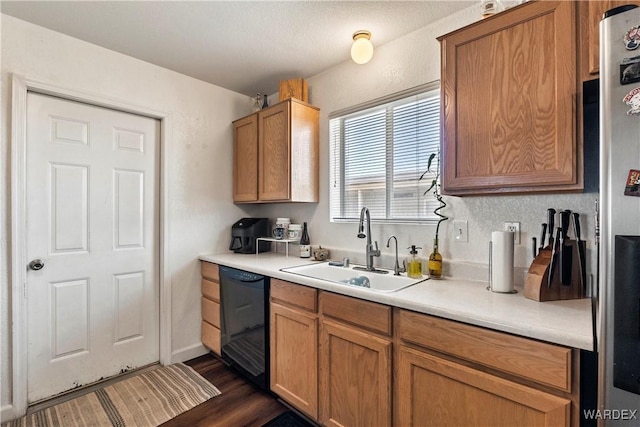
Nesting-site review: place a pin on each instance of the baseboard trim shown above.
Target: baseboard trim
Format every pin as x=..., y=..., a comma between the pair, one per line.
x=7, y=413
x=188, y=353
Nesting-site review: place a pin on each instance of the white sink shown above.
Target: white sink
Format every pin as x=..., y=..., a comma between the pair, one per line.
x=349, y=276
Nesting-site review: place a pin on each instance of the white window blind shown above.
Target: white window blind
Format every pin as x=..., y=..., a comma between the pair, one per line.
x=378, y=152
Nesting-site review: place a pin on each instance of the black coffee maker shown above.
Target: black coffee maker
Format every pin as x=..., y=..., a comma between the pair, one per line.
x=245, y=232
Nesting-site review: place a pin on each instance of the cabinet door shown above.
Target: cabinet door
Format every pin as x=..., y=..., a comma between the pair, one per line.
x=305, y=152
x=432, y=391
x=508, y=85
x=355, y=372
x=245, y=159
x=275, y=158
x=294, y=357
x=590, y=16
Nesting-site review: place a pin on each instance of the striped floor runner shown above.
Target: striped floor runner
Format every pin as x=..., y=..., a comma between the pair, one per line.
x=145, y=400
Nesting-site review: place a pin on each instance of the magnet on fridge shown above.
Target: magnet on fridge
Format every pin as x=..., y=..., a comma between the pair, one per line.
x=630, y=70
x=632, y=38
x=632, y=99
x=633, y=183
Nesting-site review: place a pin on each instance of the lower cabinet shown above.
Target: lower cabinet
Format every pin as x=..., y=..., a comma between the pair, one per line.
x=294, y=345
x=355, y=362
x=433, y=391
x=341, y=376
x=453, y=374
x=210, y=307
x=349, y=362
x=355, y=377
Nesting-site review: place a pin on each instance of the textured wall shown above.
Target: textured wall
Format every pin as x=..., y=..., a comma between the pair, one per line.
x=200, y=206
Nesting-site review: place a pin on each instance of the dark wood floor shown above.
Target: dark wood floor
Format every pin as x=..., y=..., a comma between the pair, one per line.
x=240, y=404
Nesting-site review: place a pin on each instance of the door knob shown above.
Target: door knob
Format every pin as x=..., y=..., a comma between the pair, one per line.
x=36, y=264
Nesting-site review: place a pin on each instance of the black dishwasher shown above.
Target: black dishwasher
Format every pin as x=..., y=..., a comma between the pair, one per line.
x=245, y=323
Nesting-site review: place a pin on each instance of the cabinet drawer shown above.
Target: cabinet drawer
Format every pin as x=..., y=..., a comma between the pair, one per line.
x=211, y=289
x=368, y=315
x=432, y=391
x=537, y=361
x=210, y=336
x=296, y=295
x=211, y=312
x=210, y=271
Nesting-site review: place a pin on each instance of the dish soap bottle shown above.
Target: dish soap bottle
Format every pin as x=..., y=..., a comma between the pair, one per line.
x=435, y=262
x=414, y=263
x=305, y=243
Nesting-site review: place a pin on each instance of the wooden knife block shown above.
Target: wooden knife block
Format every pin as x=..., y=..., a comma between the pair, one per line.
x=536, y=284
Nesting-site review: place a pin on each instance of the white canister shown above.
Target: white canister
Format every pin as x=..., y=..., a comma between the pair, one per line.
x=295, y=231
x=283, y=221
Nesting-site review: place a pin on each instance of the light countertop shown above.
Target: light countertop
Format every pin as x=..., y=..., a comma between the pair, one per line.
x=567, y=322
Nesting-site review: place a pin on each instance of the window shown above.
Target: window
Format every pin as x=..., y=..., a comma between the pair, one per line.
x=378, y=152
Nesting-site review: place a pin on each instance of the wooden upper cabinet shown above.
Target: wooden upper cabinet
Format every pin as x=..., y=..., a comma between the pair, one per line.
x=276, y=154
x=509, y=104
x=245, y=159
x=274, y=166
x=590, y=16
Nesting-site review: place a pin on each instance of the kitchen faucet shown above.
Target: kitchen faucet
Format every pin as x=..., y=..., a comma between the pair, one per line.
x=370, y=251
x=396, y=268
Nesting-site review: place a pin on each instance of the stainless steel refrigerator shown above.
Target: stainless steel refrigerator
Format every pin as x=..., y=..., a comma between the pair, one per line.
x=619, y=263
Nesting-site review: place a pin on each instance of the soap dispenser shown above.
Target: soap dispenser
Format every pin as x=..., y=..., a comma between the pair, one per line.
x=414, y=263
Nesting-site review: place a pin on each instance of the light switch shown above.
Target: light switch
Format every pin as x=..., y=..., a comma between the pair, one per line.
x=460, y=231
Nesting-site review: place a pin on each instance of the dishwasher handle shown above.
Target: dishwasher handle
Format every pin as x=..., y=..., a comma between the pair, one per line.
x=240, y=275
x=252, y=281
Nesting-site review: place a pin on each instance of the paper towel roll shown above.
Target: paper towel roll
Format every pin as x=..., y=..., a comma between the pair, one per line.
x=502, y=245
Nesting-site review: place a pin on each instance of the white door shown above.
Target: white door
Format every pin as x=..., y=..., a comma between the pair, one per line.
x=92, y=218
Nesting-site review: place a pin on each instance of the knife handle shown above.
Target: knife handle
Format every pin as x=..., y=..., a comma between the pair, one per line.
x=543, y=235
x=554, y=255
x=564, y=222
x=576, y=225
x=551, y=218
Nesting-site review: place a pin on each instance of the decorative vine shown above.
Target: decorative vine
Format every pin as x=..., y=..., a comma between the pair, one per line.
x=435, y=186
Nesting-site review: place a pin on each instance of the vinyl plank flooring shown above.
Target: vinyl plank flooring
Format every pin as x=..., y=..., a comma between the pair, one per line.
x=240, y=404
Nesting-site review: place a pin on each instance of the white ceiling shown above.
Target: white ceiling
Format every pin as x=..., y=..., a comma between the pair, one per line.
x=244, y=46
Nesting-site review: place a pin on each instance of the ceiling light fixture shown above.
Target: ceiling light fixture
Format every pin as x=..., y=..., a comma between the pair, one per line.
x=361, y=49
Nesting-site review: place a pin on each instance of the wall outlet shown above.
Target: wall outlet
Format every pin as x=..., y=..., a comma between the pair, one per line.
x=460, y=231
x=515, y=227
